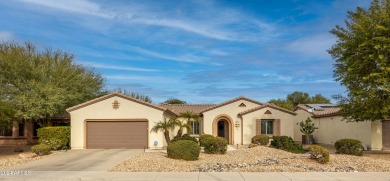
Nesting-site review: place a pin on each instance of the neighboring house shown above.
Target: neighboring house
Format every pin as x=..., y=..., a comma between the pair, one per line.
x=25, y=133
x=332, y=127
x=119, y=121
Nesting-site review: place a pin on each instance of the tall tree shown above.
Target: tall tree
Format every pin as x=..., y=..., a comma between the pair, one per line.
x=136, y=95
x=362, y=55
x=174, y=101
x=41, y=84
x=296, y=98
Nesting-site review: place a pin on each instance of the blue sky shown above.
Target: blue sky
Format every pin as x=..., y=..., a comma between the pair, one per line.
x=201, y=51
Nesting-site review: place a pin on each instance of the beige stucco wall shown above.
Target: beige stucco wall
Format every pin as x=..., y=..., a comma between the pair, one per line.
x=249, y=122
x=376, y=135
x=103, y=110
x=333, y=128
x=230, y=110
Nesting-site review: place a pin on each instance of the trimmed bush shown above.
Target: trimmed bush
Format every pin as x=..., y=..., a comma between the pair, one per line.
x=41, y=149
x=185, y=137
x=286, y=143
x=217, y=145
x=205, y=138
x=183, y=149
x=55, y=137
x=349, y=147
x=319, y=153
x=261, y=139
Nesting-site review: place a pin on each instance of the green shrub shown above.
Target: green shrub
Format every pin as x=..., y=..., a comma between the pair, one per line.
x=217, y=145
x=205, y=138
x=183, y=149
x=319, y=153
x=261, y=139
x=286, y=143
x=56, y=137
x=185, y=137
x=41, y=149
x=349, y=146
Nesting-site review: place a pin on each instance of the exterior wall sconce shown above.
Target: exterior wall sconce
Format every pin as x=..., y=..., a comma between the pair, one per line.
x=237, y=124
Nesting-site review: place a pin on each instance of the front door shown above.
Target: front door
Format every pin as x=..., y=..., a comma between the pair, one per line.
x=223, y=129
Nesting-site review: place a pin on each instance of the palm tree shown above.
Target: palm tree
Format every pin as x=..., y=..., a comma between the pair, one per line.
x=190, y=116
x=182, y=125
x=165, y=126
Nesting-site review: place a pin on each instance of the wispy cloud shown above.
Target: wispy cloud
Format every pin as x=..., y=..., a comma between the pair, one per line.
x=312, y=46
x=105, y=66
x=6, y=36
x=140, y=78
x=75, y=6
x=181, y=58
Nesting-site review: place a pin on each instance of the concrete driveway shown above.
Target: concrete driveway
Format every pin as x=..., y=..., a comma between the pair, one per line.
x=80, y=160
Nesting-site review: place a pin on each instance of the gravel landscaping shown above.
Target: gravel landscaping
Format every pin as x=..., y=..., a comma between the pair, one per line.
x=16, y=155
x=257, y=159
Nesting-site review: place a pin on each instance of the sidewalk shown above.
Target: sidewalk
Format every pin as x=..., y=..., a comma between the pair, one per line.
x=197, y=176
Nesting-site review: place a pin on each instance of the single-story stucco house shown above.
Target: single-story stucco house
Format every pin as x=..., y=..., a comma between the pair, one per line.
x=119, y=121
x=327, y=117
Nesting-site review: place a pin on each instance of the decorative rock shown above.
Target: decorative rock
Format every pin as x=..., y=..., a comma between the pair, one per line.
x=27, y=155
x=252, y=145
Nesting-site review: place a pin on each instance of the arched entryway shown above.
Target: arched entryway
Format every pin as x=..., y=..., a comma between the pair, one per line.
x=222, y=127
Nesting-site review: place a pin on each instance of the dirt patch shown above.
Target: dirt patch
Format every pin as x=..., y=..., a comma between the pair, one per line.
x=16, y=155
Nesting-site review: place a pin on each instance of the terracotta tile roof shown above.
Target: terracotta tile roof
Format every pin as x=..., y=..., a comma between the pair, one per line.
x=181, y=108
x=231, y=101
x=265, y=106
x=327, y=110
x=93, y=101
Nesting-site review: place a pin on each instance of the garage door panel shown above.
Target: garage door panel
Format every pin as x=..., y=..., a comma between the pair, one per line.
x=117, y=134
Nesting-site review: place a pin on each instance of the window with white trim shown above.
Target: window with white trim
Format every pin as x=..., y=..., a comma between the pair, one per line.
x=195, y=127
x=267, y=126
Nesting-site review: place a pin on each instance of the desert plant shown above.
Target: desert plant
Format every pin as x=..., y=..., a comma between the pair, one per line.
x=41, y=149
x=185, y=137
x=349, y=147
x=181, y=126
x=183, y=149
x=217, y=145
x=261, y=139
x=286, y=143
x=55, y=137
x=164, y=126
x=319, y=153
x=205, y=138
x=307, y=128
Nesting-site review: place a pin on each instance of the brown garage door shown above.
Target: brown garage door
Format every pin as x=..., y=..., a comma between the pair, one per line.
x=117, y=134
x=386, y=134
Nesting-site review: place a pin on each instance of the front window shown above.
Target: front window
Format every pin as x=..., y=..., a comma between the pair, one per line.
x=267, y=126
x=195, y=127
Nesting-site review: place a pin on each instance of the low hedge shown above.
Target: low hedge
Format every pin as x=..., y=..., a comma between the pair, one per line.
x=205, y=138
x=261, y=139
x=41, y=149
x=216, y=145
x=56, y=137
x=319, y=153
x=349, y=147
x=286, y=143
x=185, y=137
x=183, y=149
